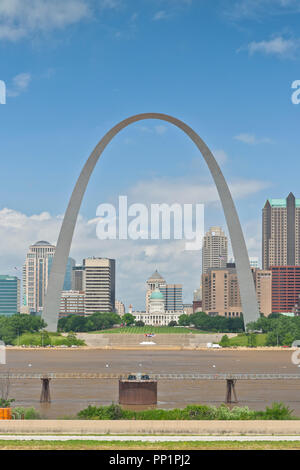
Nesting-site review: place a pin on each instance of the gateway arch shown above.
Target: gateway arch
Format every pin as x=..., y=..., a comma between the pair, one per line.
x=56, y=280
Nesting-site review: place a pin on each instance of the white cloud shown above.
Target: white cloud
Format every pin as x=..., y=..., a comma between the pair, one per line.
x=257, y=9
x=20, y=18
x=20, y=84
x=251, y=139
x=278, y=46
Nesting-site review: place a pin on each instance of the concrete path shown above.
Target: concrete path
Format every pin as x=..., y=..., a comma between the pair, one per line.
x=152, y=438
x=155, y=427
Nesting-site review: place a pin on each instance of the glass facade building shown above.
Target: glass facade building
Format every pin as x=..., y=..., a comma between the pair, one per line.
x=9, y=295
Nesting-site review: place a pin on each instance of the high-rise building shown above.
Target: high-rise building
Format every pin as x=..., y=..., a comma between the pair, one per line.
x=36, y=274
x=221, y=294
x=72, y=303
x=214, y=249
x=9, y=295
x=281, y=232
x=285, y=288
x=99, y=285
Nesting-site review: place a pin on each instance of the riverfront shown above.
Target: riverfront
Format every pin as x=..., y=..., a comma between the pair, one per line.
x=72, y=395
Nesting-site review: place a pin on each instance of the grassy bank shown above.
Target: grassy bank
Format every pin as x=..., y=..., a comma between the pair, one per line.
x=150, y=329
x=241, y=340
x=138, y=445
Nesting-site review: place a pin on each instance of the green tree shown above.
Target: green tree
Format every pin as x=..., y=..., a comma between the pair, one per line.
x=128, y=319
x=288, y=339
x=184, y=320
x=225, y=343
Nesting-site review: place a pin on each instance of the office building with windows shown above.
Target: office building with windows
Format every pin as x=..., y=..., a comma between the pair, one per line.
x=214, y=249
x=99, y=285
x=9, y=295
x=281, y=232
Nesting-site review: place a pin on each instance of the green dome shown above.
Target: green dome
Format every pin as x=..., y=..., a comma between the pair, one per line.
x=156, y=295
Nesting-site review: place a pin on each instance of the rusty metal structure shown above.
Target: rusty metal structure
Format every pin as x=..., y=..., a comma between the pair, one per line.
x=45, y=394
x=138, y=392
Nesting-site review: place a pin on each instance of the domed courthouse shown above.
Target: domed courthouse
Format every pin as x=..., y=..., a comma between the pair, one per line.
x=159, y=298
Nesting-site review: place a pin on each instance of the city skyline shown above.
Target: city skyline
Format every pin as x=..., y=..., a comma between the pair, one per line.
x=56, y=75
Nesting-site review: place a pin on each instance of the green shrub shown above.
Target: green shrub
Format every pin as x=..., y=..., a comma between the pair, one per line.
x=277, y=411
x=27, y=413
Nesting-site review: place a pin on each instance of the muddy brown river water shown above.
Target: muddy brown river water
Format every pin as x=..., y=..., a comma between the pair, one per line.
x=68, y=396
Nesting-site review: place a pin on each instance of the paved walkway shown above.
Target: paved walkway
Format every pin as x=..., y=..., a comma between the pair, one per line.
x=155, y=427
x=152, y=438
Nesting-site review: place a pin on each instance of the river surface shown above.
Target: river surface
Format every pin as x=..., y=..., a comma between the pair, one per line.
x=69, y=396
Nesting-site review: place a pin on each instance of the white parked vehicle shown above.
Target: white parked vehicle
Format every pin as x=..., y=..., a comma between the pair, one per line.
x=213, y=345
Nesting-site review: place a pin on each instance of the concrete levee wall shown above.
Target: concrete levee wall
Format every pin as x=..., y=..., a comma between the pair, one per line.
x=180, y=341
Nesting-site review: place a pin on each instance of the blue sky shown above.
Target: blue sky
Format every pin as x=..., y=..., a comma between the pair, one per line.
x=73, y=69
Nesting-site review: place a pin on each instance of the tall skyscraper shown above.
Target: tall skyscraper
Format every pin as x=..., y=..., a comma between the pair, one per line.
x=36, y=274
x=281, y=232
x=9, y=295
x=214, y=249
x=99, y=285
